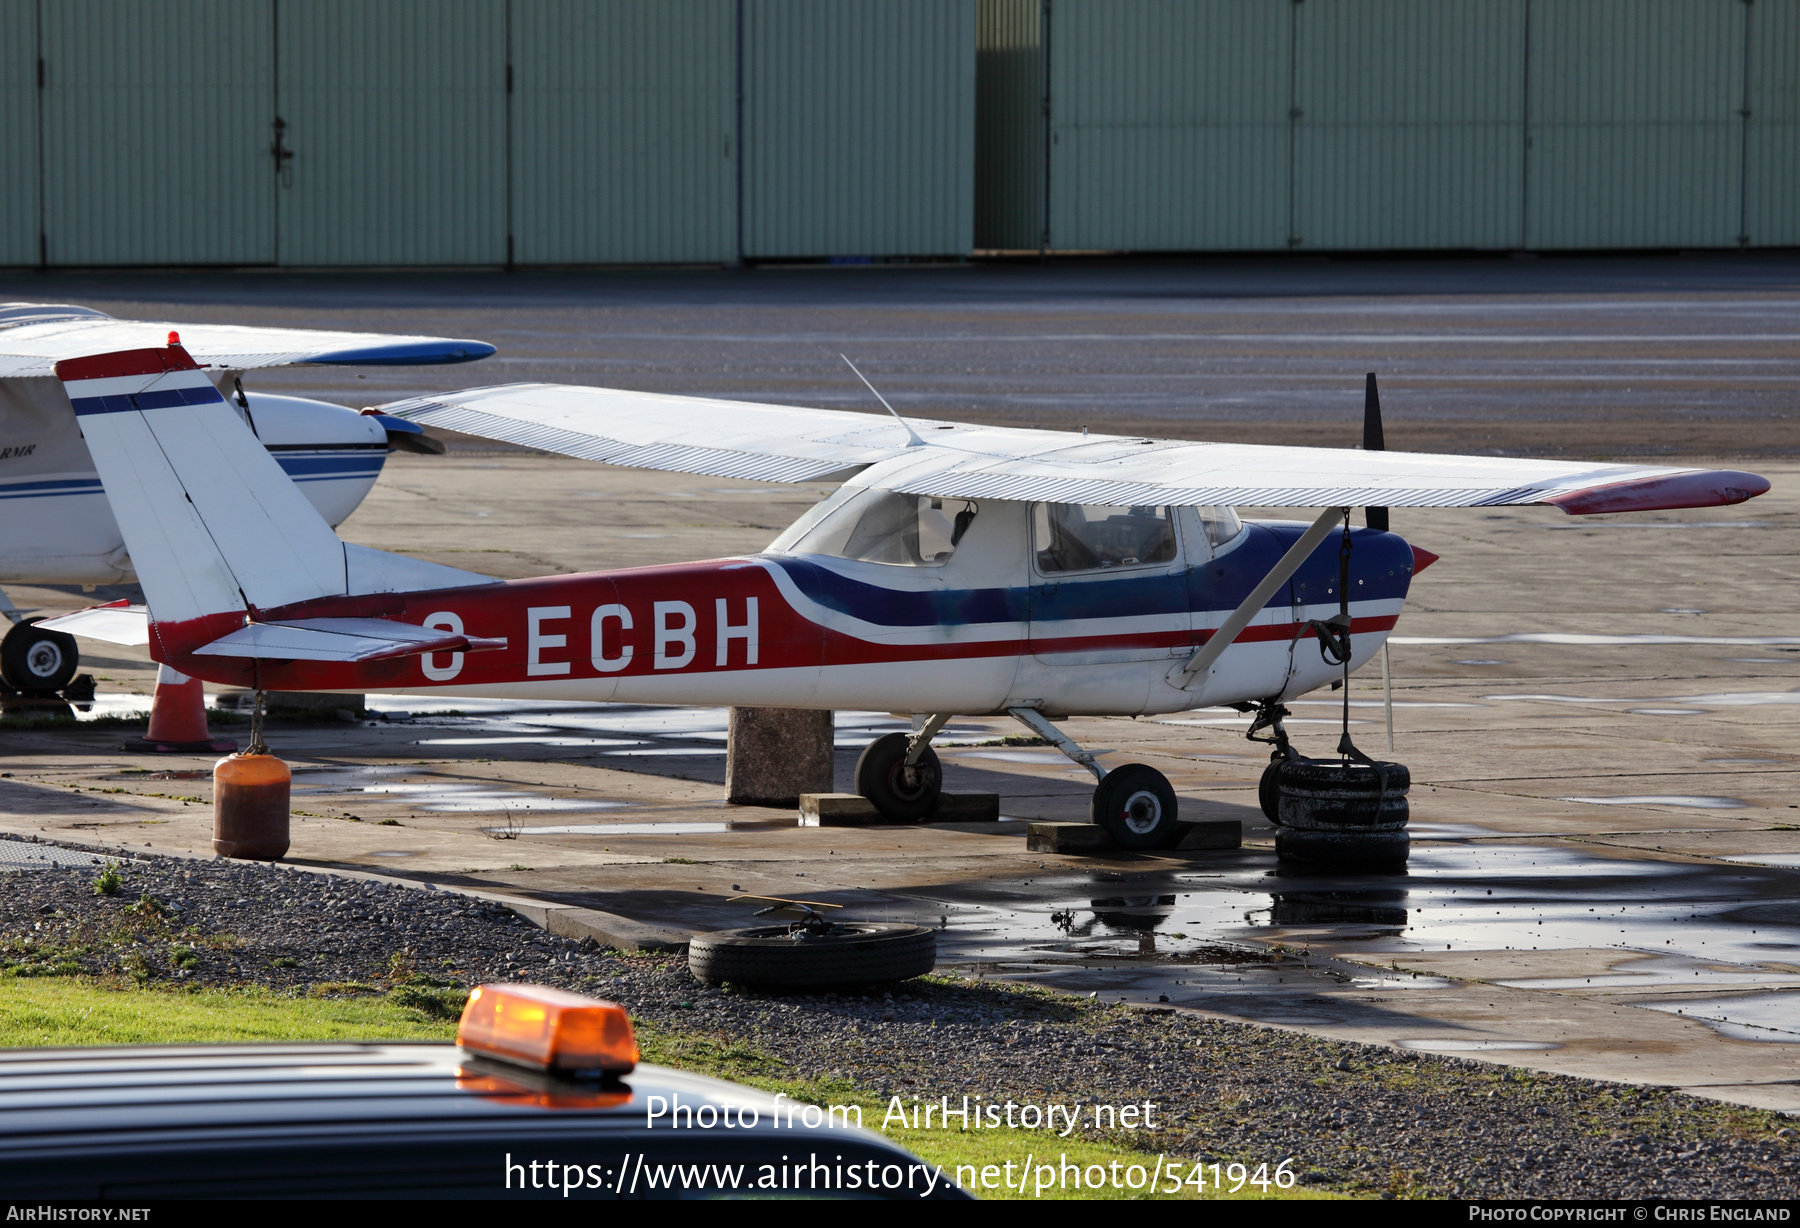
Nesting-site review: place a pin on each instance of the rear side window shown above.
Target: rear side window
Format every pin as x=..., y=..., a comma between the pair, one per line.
x=1092, y=536
x=879, y=526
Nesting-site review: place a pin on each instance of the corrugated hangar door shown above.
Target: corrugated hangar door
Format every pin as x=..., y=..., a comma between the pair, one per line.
x=1169, y=124
x=18, y=133
x=395, y=116
x=156, y=132
x=1635, y=137
x=859, y=128
x=624, y=131
x=1408, y=124
x=1772, y=137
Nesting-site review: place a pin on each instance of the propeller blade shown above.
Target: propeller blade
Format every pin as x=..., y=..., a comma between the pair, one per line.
x=1374, y=517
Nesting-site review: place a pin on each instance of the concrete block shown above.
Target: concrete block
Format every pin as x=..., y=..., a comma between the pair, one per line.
x=1092, y=838
x=773, y=755
x=838, y=810
x=1212, y=834
x=967, y=808
x=1067, y=838
x=611, y=930
x=854, y=810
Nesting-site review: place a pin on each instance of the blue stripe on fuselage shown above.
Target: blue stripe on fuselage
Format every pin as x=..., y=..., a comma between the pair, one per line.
x=50, y=489
x=1382, y=561
x=315, y=466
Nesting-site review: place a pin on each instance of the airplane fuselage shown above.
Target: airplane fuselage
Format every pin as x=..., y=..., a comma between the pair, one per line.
x=984, y=633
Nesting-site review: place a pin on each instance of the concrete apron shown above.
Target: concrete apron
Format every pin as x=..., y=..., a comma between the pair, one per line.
x=1649, y=780
x=1220, y=933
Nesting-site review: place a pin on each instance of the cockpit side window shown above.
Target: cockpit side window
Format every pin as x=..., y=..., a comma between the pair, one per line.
x=879, y=526
x=1220, y=523
x=1089, y=537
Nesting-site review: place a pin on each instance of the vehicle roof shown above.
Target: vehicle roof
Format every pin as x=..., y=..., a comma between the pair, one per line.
x=57, y=1100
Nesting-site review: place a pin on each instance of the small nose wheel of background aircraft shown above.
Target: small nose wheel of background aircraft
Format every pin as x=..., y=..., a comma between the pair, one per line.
x=1136, y=806
x=36, y=661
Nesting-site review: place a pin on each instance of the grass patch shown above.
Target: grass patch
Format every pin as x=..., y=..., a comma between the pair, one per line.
x=55, y=1013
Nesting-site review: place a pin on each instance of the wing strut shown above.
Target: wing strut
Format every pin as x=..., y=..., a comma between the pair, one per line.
x=1204, y=657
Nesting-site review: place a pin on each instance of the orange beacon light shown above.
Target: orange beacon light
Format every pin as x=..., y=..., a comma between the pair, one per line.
x=548, y=1029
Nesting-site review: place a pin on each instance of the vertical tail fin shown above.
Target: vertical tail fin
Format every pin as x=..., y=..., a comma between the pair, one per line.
x=212, y=523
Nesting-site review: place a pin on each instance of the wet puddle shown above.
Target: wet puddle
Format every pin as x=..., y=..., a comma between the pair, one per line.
x=1684, y=800
x=1765, y=1016
x=626, y=829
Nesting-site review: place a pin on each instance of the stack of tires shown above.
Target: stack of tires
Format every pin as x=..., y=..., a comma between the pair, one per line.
x=1337, y=815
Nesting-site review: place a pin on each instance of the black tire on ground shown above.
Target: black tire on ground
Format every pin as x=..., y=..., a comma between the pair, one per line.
x=1328, y=795
x=35, y=660
x=1137, y=807
x=854, y=953
x=1268, y=792
x=881, y=777
x=1346, y=850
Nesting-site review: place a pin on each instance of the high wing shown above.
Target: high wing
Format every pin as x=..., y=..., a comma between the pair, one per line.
x=33, y=336
x=787, y=444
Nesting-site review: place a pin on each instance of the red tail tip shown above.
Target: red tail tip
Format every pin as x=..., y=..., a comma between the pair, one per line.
x=174, y=337
x=1422, y=559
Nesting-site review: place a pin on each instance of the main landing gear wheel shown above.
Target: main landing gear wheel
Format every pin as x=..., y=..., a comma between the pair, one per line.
x=903, y=794
x=36, y=661
x=845, y=953
x=1136, y=806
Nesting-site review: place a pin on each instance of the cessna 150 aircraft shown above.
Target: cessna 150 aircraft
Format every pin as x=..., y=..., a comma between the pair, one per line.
x=957, y=570
x=58, y=527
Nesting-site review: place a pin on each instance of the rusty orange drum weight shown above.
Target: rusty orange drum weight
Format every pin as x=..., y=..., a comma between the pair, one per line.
x=250, y=800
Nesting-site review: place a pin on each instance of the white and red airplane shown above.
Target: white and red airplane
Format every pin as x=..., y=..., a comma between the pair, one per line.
x=957, y=570
x=59, y=528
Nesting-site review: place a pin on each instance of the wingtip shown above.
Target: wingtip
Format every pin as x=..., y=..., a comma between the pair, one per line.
x=1696, y=488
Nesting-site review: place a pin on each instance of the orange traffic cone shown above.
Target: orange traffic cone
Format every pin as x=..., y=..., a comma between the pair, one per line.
x=178, y=718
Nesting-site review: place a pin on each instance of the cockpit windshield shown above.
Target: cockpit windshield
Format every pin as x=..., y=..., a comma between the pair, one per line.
x=879, y=526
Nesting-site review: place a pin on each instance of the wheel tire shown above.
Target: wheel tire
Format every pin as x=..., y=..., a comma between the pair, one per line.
x=1328, y=795
x=1345, y=850
x=1137, y=807
x=880, y=778
x=36, y=661
x=854, y=953
x=1268, y=791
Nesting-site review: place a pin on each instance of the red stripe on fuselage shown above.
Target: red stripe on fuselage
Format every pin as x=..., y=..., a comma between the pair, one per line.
x=574, y=627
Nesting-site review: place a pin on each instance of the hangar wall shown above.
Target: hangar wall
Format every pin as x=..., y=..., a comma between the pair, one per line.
x=484, y=132
x=370, y=133
x=1259, y=125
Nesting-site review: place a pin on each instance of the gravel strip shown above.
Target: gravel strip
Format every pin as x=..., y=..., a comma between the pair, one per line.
x=1354, y=1118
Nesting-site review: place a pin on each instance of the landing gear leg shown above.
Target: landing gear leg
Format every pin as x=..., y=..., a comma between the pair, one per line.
x=1134, y=803
x=1269, y=715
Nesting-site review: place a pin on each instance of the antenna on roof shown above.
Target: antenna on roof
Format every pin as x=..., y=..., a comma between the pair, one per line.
x=912, y=436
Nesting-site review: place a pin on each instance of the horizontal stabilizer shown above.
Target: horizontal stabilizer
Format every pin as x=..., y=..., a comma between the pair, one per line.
x=116, y=622
x=341, y=639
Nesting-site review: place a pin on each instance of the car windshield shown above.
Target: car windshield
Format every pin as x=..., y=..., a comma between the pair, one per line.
x=879, y=526
x=1089, y=536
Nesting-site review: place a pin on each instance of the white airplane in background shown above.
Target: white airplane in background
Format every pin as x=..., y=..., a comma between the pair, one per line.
x=56, y=524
